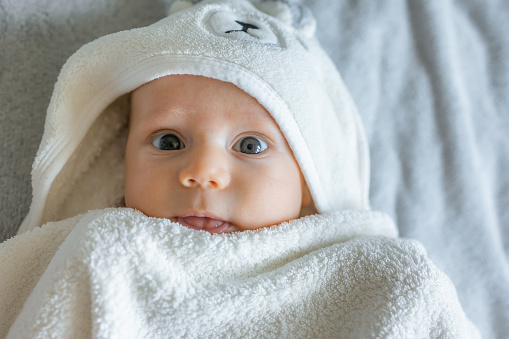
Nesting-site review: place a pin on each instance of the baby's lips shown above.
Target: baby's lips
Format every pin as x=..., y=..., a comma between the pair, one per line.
x=202, y=222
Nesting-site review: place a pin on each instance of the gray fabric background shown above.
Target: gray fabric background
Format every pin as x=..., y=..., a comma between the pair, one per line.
x=430, y=78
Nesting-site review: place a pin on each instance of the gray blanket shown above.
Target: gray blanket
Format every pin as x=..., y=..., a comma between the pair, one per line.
x=430, y=78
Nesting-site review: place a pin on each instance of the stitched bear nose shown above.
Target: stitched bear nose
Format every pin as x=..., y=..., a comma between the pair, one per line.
x=245, y=27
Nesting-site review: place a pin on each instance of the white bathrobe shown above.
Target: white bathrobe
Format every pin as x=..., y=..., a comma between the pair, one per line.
x=95, y=269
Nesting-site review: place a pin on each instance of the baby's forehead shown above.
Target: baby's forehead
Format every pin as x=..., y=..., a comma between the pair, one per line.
x=181, y=94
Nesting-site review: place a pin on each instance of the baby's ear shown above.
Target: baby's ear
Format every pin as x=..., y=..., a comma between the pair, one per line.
x=291, y=13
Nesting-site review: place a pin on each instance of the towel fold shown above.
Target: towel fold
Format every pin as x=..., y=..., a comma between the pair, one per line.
x=119, y=273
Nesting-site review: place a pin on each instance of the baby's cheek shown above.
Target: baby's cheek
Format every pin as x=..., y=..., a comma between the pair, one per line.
x=131, y=191
x=139, y=188
x=287, y=190
x=273, y=198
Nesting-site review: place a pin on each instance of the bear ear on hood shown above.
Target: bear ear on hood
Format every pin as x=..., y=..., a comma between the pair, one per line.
x=180, y=5
x=289, y=12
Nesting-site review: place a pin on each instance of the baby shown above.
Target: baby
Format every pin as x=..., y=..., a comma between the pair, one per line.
x=162, y=144
x=259, y=67
x=207, y=155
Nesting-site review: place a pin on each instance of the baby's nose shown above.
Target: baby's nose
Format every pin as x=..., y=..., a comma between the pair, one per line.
x=207, y=170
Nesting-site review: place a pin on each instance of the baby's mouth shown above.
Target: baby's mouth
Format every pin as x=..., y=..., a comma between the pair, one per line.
x=204, y=223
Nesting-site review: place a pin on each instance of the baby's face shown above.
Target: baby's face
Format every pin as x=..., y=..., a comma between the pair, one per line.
x=207, y=155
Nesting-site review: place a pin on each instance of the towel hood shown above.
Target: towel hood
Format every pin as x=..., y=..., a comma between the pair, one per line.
x=266, y=48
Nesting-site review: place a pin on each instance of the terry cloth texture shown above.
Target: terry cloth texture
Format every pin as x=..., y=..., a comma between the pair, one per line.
x=430, y=79
x=79, y=164
x=120, y=274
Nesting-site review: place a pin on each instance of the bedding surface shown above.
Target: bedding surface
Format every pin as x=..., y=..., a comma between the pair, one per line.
x=430, y=79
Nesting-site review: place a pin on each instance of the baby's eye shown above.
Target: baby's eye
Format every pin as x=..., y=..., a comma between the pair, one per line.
x=250, y=145
x=168, y=142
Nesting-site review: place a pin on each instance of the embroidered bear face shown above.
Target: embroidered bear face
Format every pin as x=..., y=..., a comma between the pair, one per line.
x=236, y=26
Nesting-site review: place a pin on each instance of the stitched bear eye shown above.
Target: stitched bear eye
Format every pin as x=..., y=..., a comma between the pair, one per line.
x=168, y=142
x=250, y=145
x=241, y=28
